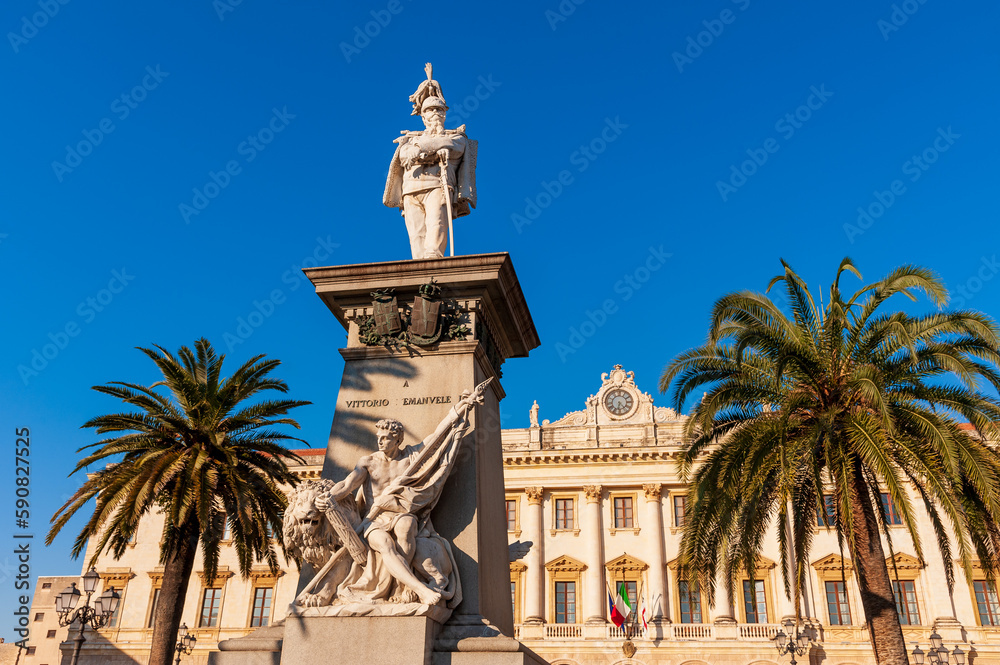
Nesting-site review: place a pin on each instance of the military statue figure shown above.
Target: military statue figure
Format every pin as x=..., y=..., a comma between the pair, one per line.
x=432, y=177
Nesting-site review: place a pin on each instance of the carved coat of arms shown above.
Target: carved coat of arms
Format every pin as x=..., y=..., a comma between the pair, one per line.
x=425, y=314
x=387, y=321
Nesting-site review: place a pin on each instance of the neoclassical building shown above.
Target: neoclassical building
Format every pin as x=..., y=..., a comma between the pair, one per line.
x=592, y=499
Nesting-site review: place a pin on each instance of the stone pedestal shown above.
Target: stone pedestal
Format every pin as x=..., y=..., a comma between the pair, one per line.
x=417, y=385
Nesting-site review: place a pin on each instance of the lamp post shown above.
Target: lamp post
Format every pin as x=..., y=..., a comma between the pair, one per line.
x=96, y=616
x=937, y=653
x=185, y=643
x=795, y=643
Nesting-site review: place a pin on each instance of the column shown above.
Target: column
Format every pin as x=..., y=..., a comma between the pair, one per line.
x=657, y=592
x=595, y=601
x=534, y=582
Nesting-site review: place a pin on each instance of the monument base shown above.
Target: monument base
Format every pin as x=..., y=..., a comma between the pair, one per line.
x=321, y=640
x=338, y=640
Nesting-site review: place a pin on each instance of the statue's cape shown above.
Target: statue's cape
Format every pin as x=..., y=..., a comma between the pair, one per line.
x=465, y=194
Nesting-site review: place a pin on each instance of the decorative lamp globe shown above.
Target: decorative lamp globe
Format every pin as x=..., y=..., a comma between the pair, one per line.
x=67, y=598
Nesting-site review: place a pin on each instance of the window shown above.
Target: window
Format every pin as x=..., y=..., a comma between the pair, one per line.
x=906, y=602
x=565, y=602
x=631, y=588
x=690, y=600
x=261, y=606
x=152, y=607
x=39, y=616
x=564, y=513
x=511, y=514
x=227, y=532
x=755, y=601
x=836, y=603
x=987, y=602
x=50, y=634
x=46, y=585
x=113, y=620
x=513, y=597
x=680, y=507
x=827, y=515
x=890, y=511
x=31, y=651
x=623, y=512
x=210, y=603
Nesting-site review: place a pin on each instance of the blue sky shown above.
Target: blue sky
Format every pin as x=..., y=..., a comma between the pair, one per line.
x=696, y=144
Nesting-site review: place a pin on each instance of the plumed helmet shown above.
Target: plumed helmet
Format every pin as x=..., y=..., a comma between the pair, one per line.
x=433, y=102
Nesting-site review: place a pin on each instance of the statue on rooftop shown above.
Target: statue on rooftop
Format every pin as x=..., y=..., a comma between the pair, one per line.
x=432, y=176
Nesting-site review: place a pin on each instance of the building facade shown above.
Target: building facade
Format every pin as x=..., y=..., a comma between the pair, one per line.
x=593, y=500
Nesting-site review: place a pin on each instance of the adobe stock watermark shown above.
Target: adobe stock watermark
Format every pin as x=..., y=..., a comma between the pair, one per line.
x=249, y=148
x=967, y=290
x=581, y=158
x=714, y=28
x=563, y=11
x=460, y=112
x=264, y=309
x=122, y=106
x=786, y=125
x=914, y=167
x=898, y=17
x=626, y=287
x=31, y=25
x=363, y=36
x=87, y=311
x=223, y=7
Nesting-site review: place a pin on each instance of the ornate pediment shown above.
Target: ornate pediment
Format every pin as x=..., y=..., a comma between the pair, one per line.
x=832, y=562
x=221, y=575
x=904, y=562
x=517, y=567
x=116, y=577
x=565, y=564
x=263, y=576
x=626, y=563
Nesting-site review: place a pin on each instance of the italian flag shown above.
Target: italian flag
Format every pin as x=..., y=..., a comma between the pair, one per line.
x=620, y=606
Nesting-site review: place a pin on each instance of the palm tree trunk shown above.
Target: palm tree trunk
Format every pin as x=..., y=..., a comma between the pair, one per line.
x=176, y=573
x=873, y=578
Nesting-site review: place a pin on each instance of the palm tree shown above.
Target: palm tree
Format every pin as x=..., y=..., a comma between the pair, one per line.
x=202, y=456
x=848, y=400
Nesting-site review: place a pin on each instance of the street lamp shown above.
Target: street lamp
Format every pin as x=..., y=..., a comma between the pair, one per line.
x=96, y=616
x=795, y=643
x=185, y=642
x=937, y=653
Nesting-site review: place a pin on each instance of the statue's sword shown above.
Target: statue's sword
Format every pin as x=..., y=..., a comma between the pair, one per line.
x=447, y=197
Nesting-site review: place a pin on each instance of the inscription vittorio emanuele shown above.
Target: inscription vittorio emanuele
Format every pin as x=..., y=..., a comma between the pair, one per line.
x=405, y=401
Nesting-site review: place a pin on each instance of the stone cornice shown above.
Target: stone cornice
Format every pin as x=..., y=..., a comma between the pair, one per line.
x=589, y=456
x=517, y=567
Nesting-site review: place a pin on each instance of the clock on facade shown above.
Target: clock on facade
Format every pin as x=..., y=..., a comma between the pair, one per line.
x=618, y=402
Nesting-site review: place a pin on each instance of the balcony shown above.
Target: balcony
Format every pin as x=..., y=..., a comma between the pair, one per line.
x=749, y=632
